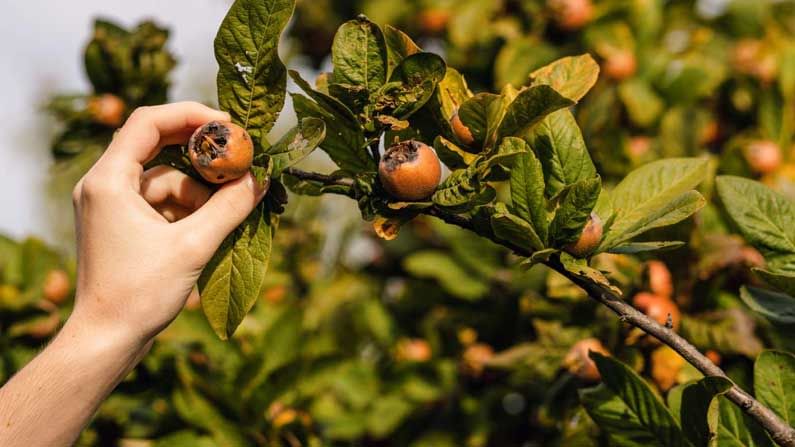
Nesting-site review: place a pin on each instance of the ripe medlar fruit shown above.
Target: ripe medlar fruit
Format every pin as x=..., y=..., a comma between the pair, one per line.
x=580, y=364
x=658, y=308
x=475, y=357
x=221, y=151
x=56, y=286
x=660, y=282
x=571, y=15
x=410, y=171
x=713, y=356
x=461, y=131
x=433, y=20
x=107, y=109
x=589, y=238
x=415, y=350
x=620, y=65
x=763, y=156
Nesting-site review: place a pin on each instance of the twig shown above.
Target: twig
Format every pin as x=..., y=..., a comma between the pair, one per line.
x=317, y=177
x=779, y=430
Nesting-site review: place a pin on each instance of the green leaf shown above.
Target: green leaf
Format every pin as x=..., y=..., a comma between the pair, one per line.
x=627, y=408
x=765, y=218
x=643, y=105
x=201, y=413
x=579, y=267
x=784, y=281
x=359, y=55
x=529, y=108
x=693, y=403
x=519, y=56
x=571, y=76
x=527, y=192
x=504, y=155
x=412, y=84
x=736, y=429
x=281, y=344
x=399, y=46
x=451, y=155
x=777, y=307
x=251, y=78
x=558, y=144
x=631, y=248
x=458, y=189
x=514, y=229
x=730, y=332
x=387, y=413
x=655, y=195
x=296, y=144
x=344, y=140
x=774, y=383
x=454, y=278
x=230, y=284
x=574, y=210
x=481, y=114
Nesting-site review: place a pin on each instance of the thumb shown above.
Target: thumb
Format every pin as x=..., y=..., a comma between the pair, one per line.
x=224, y=211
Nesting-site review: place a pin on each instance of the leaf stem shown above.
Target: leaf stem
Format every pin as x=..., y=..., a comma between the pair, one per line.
x=778, y=429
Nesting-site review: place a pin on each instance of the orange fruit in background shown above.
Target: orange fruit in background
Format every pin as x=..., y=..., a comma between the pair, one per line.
x=57, y=286
x=578, y=361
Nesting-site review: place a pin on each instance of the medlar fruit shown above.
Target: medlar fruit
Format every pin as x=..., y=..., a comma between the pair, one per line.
x=571, y=15
x=475, y=357
x=620, y=65
x=433, y=20
x=658, y=308
x=107, y=109
x=57, y=286
x=461, y=131
x=579, y=363
x=589, y=238
x=660, y=281
x=763, y=156
x=415, y=350
x=410, y=171
x=221, y=151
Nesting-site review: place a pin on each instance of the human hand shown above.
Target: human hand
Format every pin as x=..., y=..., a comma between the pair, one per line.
x=143, y=237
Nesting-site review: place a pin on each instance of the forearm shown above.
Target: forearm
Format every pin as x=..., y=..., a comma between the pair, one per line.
x=50, y=400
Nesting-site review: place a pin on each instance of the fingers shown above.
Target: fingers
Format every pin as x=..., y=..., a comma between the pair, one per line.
x=227, y=208
x=150, y=128
x=164, y=185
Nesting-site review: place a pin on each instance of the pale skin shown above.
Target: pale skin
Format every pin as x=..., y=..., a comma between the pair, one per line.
x=143, y=238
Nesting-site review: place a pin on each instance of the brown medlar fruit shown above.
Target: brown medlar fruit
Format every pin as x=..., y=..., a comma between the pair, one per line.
x=461, y=131
x=57, y=286
x=589, y=239
x=658, y=308
x=410, y=171
x=579, y=363
x=107, y=109
x=221, y=151
x=763, y=156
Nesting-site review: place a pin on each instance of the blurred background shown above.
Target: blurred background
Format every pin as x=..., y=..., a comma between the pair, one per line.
x=439, y=338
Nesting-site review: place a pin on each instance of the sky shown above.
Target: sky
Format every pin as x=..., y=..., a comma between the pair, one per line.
x=46, y=58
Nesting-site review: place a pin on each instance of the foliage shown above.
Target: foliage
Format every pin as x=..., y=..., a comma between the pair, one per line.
x=454, y=337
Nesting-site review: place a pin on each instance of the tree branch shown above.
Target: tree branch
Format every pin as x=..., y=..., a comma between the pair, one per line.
x=779, y=430
x=316, y=177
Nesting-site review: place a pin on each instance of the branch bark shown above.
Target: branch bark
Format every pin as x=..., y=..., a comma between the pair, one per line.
x=778, y=429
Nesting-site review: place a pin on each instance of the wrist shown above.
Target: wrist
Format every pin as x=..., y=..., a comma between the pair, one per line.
x=100, y=335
